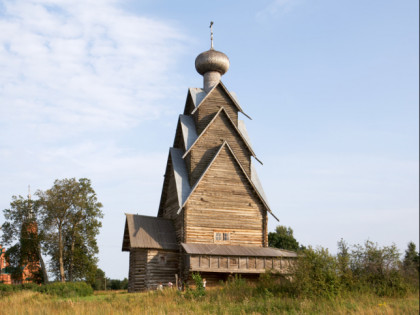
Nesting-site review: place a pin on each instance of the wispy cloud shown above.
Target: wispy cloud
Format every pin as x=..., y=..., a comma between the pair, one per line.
x=276, y=8
x=72, y=66
x=77, y=79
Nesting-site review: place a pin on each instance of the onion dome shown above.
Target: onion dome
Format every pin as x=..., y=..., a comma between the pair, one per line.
x=211, y=64
x=212, y=60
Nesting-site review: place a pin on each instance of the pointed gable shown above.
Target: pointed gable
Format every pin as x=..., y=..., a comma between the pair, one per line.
x=217, y=97
x=221, y=128
x=220, y=85
x=229, y=174
x=225, y=199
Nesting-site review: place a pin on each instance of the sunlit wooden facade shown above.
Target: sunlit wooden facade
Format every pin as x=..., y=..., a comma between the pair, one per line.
x=211, y=194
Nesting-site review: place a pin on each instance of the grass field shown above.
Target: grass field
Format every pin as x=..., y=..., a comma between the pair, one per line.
x=216, y=301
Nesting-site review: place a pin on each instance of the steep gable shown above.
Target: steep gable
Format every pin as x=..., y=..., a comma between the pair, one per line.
x=221, y=128
x=216, y=98
x=225, y=199
x=225, y=146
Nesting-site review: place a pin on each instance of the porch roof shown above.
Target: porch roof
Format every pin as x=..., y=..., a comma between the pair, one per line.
x=235, y=250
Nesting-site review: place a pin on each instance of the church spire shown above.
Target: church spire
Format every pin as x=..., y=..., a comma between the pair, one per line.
x=211, y=64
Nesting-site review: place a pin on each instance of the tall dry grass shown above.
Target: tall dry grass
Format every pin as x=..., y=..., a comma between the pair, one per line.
x=223, y=300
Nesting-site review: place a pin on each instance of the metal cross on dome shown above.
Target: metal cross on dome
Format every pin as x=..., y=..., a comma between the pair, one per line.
x=211, y=34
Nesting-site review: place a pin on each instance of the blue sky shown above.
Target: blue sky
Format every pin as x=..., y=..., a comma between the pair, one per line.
x=94, y=89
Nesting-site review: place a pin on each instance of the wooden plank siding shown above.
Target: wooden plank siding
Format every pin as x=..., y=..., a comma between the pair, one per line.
x=224, y=199
x=205, y=148
x=236, y=264
x=213, y=102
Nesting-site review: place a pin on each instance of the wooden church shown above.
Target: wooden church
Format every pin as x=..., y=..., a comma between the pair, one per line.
x=213, y=212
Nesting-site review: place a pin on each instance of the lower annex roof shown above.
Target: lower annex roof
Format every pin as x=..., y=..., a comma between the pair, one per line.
x=235, y=250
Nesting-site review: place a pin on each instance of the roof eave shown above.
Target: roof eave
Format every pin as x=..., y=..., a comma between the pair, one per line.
x=228, y=93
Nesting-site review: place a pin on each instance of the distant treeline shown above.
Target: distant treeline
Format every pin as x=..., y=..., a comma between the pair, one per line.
x=103, y=283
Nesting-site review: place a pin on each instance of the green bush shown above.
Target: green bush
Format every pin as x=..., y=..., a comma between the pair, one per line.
x=316, y=274
x=7, y=288
x=377, y=270
x=27, y=286
x=199, y=290
x=67, y=289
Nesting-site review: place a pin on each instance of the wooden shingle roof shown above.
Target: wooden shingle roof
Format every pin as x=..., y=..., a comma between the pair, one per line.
x=235, y=250
x=148, y=232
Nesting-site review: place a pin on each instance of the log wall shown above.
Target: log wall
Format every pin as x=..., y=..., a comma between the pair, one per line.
x=224, y=200
x=206, y=111
x=170, y=204
x=137, y=270
x=162, y=265
x=149, y=267
x=202, y=153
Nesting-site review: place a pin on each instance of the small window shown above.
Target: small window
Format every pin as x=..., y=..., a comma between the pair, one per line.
x=162, y=259
x=221, y=237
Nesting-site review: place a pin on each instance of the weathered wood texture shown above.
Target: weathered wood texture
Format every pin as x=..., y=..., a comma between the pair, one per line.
x=209, y=107
x=149, y=267
x=189, y=105
x=179, y=139
x=224, y=199
x=161, y=267
x=169, y=204
x=137, y=272
x=239, y=264
x=169, y=198
x=204, y=149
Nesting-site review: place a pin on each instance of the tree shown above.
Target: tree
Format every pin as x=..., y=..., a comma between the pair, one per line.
x=343, y=263
x=411, y=257
x=22, y=229
x=283, y=238
x=411, y=264
x=100, y=280
x=70, y=214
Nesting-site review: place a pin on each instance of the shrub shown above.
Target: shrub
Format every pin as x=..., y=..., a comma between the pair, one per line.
x=67, y=289
x=377, y=270
x=199, y=290
x=27, y=286
x=7, y=288
x=316, y=274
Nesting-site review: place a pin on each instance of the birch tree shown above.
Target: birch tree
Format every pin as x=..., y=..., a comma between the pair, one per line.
x=71, y=216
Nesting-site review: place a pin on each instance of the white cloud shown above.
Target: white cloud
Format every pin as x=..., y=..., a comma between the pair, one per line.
x=77, y=79
x=79, y=65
